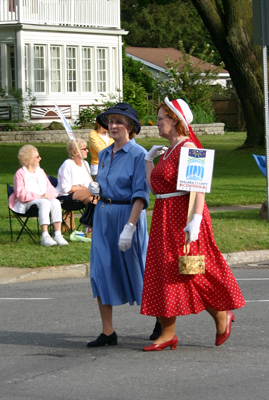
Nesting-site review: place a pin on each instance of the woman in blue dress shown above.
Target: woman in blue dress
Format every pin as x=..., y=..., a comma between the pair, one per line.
x=119, y=238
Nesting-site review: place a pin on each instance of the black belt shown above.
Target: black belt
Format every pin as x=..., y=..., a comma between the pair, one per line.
x=109, y=201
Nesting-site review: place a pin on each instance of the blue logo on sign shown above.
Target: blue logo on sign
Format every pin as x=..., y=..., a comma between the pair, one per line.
x=196, y=165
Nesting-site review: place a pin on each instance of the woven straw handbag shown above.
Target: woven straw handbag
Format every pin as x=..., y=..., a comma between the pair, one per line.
x=188, y=264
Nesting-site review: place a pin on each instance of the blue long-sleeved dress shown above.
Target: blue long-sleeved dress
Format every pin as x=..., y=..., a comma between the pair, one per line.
x=116, y=276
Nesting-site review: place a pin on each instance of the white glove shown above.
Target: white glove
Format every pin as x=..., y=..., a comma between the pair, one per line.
x=94, y=188
x=155, y=151
x=126, y=236
x=193, y=227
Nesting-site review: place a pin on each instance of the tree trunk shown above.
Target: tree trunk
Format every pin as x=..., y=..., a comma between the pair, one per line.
x=230, y=25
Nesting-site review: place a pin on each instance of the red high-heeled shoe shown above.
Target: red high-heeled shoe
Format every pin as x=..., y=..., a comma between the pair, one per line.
x=221, y=338
x=157, y=347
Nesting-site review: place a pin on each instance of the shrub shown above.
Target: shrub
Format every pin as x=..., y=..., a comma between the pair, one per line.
x=89, y=114
x=148, y=120
x=201, y=116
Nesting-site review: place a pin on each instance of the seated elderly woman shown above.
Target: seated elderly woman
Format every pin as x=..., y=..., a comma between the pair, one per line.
x=32, y=186
x=74, y=174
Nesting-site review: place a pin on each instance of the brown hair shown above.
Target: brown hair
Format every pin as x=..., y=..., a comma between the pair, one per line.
x=127, y=121
x=180, y=128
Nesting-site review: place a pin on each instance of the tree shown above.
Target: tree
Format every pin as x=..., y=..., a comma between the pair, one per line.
x=158, y=24
x=230, y=25
x=135, y=95
x=137, y=72
x=184, y=80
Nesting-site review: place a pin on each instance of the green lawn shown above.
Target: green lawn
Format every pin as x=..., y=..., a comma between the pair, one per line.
x=236, y=180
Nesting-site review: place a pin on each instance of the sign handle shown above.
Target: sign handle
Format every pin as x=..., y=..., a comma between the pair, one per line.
x=189, y=218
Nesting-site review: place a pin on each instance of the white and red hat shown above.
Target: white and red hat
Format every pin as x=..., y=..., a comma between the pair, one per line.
x=182, y=111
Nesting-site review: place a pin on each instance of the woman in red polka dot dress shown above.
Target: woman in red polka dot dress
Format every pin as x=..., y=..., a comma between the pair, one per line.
x=166, y=293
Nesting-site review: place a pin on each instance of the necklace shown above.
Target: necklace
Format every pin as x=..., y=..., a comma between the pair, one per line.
x=165, y=154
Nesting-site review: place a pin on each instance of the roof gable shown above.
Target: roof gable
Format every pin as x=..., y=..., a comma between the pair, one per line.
x=158, y=56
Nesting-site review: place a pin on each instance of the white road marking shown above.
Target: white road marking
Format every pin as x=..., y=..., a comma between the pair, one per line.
x=252, y=279
x=26, y=298
x=255, y=301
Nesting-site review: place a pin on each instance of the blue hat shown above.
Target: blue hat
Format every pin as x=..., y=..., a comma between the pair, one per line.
x=121, y=109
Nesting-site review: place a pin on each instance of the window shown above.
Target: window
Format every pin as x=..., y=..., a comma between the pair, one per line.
x=39, y=68
x=86, y=69
x=26, y=55
x=71, y=69
x=101, y=70
x=11, y=72
x=55, y=68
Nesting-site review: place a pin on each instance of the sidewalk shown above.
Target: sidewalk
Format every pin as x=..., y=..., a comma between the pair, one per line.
x=15, y=275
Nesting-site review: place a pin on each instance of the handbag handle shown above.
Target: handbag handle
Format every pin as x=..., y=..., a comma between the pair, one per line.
x=186, y=248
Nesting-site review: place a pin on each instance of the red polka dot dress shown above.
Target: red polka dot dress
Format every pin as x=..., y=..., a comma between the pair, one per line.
x=166, y=293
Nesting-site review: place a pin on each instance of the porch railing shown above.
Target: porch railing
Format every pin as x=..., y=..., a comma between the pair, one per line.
x=84, y=13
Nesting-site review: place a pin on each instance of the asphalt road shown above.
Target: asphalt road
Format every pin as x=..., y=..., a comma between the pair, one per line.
x=45, y=325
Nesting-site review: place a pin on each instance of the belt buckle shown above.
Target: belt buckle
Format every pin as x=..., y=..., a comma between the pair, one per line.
x=108, y=201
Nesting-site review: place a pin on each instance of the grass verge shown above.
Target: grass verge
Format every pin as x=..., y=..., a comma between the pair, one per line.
x=236, y=181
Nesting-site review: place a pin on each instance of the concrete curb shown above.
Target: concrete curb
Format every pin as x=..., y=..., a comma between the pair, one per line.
x=15, y=275
x=246, y=257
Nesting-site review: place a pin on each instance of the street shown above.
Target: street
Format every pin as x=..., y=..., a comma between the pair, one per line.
x=45, y=325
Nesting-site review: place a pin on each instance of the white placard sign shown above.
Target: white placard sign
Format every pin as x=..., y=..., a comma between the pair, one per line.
x=195, y=170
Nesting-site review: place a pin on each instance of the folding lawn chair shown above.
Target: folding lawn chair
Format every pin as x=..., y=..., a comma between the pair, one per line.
x=23, y=219
x=68, y=208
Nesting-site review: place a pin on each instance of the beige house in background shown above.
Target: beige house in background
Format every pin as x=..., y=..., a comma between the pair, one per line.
x=155, y=60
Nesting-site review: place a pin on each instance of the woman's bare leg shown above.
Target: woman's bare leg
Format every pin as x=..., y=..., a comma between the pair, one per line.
x=220, y=318
x=106, y=316
x=83, y=195
x=168, y=329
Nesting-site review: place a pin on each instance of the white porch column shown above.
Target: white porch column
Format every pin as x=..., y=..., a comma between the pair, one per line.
x=20, y=67
x=31, y=67
x=18, y=3
x=4, y=59
x=120, y=66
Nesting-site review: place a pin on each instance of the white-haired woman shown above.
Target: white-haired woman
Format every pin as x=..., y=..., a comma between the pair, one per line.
x=32, y=186
x=74, y=174
x=166, y=293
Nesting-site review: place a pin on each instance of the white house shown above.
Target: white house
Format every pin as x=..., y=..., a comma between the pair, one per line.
x=67, y=52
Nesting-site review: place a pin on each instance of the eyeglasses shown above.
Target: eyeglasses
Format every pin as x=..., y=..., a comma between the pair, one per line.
x=85, y=149
x=36, y=156
x=160, y=119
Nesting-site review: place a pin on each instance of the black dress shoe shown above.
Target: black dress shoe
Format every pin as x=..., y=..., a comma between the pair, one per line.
x=156, y=331
x=103, y=339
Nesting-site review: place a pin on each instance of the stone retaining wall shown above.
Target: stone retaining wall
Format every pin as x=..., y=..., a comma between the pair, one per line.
x=61, y=136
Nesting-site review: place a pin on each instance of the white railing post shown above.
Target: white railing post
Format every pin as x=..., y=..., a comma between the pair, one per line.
x=18, y=5
x=72, y=12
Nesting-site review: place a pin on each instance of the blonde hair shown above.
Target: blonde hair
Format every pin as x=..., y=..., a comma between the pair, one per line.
x=72, y=148
x=127, y=121
x=25, y=154
x=180, y=128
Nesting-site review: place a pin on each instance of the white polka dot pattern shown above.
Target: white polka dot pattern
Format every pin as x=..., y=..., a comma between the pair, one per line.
x=165, y=292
